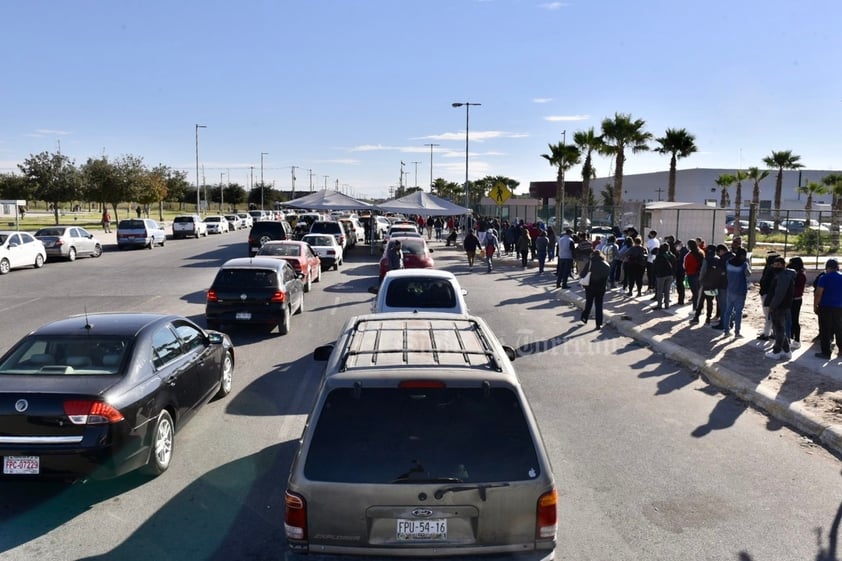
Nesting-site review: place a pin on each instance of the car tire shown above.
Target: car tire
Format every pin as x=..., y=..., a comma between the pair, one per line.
x=263, y=240
x=71, y=255
x=300, y=309
x=39, y=261
x=286, y=322
x=163, y=241
x=97, y=251
x=309, y=284
x=319, y=275
x=336, y=265
x=5, y=266
x=151, y=243
x=227, y=376
x=163, y=440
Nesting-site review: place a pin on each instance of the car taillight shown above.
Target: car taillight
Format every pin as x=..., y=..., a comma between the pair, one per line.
x=547, y=516
x=213, y=296
x=424, y=384
x=279, y=296
x=58, y=242
x=295, y=516
x=331, y=252
x=89, y=412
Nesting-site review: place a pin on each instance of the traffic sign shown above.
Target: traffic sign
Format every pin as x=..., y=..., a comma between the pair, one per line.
x=500, y=194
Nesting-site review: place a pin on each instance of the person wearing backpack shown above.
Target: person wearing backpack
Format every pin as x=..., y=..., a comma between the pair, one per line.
x=779, y=299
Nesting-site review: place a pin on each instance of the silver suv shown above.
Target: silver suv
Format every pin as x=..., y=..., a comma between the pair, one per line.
x=420, y=443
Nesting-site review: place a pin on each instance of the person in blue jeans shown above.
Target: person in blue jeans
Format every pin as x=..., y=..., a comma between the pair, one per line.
x=738, y=271
x=564, y=251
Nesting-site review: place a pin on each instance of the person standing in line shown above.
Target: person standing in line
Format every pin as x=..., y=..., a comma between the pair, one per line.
x=470, y=244
x=692, y=267
x=106, y=221
x=492, y=244
x=395, y=256
x=438, y=225
x=794, y=323
x=598, y=270
x=611, y=254
x=523, y=245
x=663, y=267
x=652, y=245
x=707, y=288
x=636, y=265
x=677, y=248
x=623, y=270
x=582, y=253
x=721, y=286
x=541, y=245
x=738, y=272
x=551, y=241
x=765, y=280
x=827, y=304
x=779, y=301
x=564, y=252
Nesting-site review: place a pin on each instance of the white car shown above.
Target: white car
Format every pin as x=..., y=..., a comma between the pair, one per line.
x=235, y=222
x=427, y=290
x=402, y=229
x=355, y=228
x=19, y=249
x=188, y=225
x=217, y=224
x=246, y=218
x=327, y=248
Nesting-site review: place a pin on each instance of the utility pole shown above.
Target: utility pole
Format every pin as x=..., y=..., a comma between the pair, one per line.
x=292, y=191
x=431, y=165
x=325, y=176
x=416, y=173
x=311, y=179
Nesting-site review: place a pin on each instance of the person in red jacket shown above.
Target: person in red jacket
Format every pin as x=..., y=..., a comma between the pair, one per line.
x=692, y=267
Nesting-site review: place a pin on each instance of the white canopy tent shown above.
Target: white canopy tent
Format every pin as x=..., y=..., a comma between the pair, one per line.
x=327, y=200
x=424, y=204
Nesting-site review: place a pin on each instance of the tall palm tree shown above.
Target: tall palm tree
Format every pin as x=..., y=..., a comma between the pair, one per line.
x=811, y=189
x=757, y=175
x=723, y=182
x=678, y=143
x=782, y=160
x=563, y=156
x=588, y=142
x=738, y=195
x=833, y=183
x=618, y=135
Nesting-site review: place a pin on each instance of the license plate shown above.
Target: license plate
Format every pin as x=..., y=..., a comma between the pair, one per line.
x=21, y=465
x=412, y=530
x=243, y=315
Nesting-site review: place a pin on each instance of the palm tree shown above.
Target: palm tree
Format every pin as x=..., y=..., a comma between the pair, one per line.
x=563, y=156
x=812, y=188
x=757, y=175
x=782, y=160
x=619, y=134
x=587, y=141
x=833, y=183
x=738, y=196
x=724, y=181
x=678, y=143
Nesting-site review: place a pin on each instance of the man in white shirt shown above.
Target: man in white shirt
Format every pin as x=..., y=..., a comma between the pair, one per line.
x=652, y=245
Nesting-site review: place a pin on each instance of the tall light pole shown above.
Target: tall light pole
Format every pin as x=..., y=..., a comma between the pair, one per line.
x=221, y=192
x=325, y=176
x=198, y=189
x=467, y=105
x=261, y=177
x=431, y=165
x=416, y=173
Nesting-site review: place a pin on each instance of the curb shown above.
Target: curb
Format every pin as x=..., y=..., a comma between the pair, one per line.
x=793, y=414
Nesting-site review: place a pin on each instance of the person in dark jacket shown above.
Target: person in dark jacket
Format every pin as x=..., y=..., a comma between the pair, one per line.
x=677, y=248
x=663, y=267
x=794, y=323
x=636, y=265
x=779, y=302
x=598, y=270
x=708, y=282
x=765, y=280
x=471, y=244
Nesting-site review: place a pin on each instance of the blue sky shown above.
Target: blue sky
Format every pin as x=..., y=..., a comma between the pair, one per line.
x=349, y=89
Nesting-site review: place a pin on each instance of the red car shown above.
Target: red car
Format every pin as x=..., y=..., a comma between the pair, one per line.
x=300, y=255
x=416, y=254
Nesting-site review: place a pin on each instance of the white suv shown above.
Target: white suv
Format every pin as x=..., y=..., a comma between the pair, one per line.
x=188, y=225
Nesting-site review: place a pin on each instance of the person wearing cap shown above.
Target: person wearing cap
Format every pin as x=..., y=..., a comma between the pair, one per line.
x=827, y=304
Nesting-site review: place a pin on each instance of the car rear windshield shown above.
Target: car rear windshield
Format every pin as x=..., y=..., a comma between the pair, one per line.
x=184, y=219
x=399, y=435
x=67, y=355
x=131, y=225
x=411, y=246
x=319, y=240
x=420, y=293
x=234, y=279
x=280, y=250
x=325, y=227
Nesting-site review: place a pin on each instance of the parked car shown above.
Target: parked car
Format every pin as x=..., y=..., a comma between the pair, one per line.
x=266, y=231
x=258, y=290
x=300, y=255
x=140, y=232
x=99, y=395
x=416, y=254
x=217, y=224
x=246, y=219
x=375, y=227
x=330, y=227
x=327, y=248
x=69, y=242
x=399, y=229
x=421, y=443
x=235, y=222
x=355, y=230
x=743, y=230
x=188, y=225
x=20, y=249
x=427, y=290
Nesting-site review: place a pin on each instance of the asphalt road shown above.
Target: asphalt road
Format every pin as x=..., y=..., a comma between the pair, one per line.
x=651, y=464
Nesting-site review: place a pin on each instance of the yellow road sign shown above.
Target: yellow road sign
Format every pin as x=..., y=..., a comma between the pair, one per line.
x=500, y=194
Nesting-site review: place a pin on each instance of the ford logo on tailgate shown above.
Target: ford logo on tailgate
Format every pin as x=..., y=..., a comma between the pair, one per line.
x=422, y=513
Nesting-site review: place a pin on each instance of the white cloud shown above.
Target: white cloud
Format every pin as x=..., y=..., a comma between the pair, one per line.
x=554, y=5
x=558, y=118
x=542, y=100
x=371, y=148
x=40, y=133
x=344, y=161
x=476, y=135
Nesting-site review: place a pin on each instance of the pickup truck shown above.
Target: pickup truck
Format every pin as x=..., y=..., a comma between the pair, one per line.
x=188, y=225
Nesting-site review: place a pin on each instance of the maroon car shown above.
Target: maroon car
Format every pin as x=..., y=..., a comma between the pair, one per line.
x=416, y=254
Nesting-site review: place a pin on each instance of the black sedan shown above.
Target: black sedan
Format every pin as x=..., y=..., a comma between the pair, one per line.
x=99, y=395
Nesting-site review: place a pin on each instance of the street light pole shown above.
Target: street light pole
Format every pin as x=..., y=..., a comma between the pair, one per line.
x=221, y=192
x=198, y=190
x=431, y=165
x=467, y=105
x=325, y=176
x=261, y=177
x=416, y=173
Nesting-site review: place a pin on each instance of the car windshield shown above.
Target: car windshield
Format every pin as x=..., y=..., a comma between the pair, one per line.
x=420, y=293
x=212, y=219
x=234, y=279
x=67, y=355
x=183, y=219
x=411, y=246
x=319, y=240
x=286, y=250
x=386, y=435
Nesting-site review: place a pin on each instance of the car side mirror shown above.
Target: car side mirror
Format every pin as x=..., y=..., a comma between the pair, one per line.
x=215, y=338
x=322, y=353
x=510, y=352
x=464, y=292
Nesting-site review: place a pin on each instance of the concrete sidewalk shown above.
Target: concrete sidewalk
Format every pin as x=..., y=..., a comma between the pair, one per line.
x=804, y=392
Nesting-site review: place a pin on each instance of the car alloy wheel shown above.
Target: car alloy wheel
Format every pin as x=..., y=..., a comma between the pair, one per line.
x=5, y=266
x=71, y=256
x=163, y=439
x=97, y=251
x=227, y=380
x=39, y=261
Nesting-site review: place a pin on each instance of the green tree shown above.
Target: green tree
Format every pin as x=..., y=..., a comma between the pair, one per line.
x=449, y=190
x=99, y=179
x=833, y=184
x=782, y=160
x=739, y=177
x=235, y=195
x=55, y=178
x=724, y=181
x=562, y=156
x=678, y=143
x=811, y=189
x=129, y=178
x=588, y=142
x=618, y=135
x=16, y=187
x=178, y=187
x=756, y=175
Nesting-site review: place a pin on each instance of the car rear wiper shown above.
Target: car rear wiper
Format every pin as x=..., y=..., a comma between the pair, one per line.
x=407, y=478
x=481, y=487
